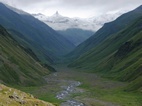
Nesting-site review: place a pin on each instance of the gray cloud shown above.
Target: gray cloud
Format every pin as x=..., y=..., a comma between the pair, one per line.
x=73, y=7
x=103, y=4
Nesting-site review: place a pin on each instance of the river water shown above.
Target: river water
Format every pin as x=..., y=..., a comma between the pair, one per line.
x=65, y=93
x=67, y=87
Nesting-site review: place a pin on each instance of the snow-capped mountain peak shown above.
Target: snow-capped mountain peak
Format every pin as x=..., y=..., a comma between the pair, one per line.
x=56, y=14
x=59, y=22
x=57, y=18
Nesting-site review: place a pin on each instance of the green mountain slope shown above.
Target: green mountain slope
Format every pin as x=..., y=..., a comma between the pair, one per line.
x=46, y=43
x=17, y=67
x=119, y=56
x=76, y=35
x=108, y=29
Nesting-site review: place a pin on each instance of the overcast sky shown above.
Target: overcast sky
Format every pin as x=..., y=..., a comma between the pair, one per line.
x=73, y=8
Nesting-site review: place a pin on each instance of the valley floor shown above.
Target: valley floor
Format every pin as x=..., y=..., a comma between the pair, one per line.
x=69, y=87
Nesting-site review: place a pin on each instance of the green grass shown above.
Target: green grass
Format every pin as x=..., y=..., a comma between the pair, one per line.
x=17, y=67
x=117, y=95
x=28, y=99
x=123, y=98
x=20, y=70
x=50, y=98
x=42, y=95
x=112, y=58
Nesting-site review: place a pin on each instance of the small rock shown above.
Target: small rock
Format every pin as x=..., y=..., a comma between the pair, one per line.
x=11, y=97
x=14, y=93
x=22, y=102
x=36, y=105
x=31, y=96
x=10, y=89
x=16, y=97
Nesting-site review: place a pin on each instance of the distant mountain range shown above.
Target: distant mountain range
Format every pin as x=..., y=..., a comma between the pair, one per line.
x=59, y=22
x=77, y=30
x=75, y=35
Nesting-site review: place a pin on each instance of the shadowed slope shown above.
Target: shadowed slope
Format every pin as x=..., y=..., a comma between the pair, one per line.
x=46, y=43
x=16, y=65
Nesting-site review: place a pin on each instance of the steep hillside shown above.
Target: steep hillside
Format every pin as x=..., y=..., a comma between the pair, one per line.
x=76, y=36
x=14, y=97
x=29, y=31
x=108, y=29
x=17, y=67
x=119, y=56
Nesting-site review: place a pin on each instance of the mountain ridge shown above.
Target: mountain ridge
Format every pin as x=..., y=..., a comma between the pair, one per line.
x=75, y=28
x=16, y=65
x=118, y=56
x=59, y=22
x=35, y=34
x=108, y=29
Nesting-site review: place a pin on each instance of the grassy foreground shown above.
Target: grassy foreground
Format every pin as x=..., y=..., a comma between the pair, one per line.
x=13, y=97
x=45, y=92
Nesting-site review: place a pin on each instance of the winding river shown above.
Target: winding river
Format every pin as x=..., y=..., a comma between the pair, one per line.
x=67, y=88
x=65, y=93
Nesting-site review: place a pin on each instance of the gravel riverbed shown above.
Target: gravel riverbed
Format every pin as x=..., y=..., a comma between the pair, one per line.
x=67, y=87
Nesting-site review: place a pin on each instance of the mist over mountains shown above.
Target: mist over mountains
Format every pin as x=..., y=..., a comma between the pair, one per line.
x=95, y=61
x=59, y=22
x=77, y=30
